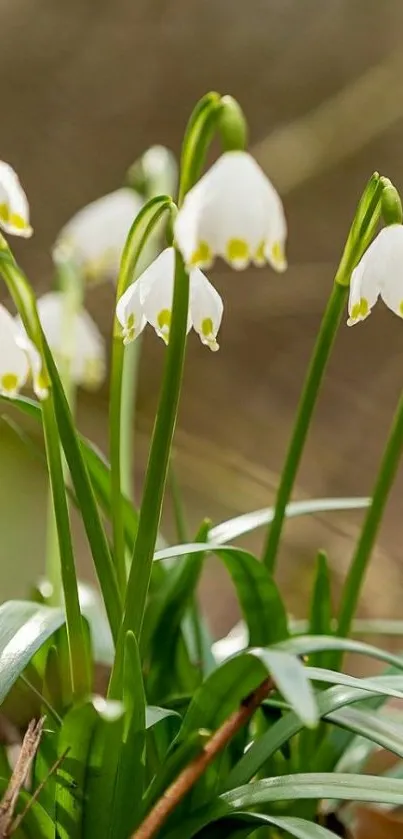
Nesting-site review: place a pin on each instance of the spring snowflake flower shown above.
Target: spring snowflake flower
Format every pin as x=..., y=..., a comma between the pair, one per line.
x=378, y=274
x=149, y=300
x=14, y=209
x=234, y=212
x=94, y=238
x=83, y=350
x=19, y=359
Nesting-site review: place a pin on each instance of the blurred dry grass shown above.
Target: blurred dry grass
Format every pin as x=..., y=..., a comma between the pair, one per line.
x=84, y=91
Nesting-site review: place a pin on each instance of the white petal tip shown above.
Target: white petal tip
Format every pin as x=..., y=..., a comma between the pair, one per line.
x=42, y=393
x=281, y=267
x=213, y=346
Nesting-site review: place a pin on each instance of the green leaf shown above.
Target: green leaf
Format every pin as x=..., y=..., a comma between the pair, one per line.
x=168, y=667
x=177, y=759
x=384, y=732
x=306, y=644
x=96, y=463
x=100, y=474
x=76, y=451
x=24, y=627
x=263, y=609
x=238, y=526
x=235, y=679
x=231, y=825
x=320, y=622
x=282, y=731
x=87, y=502
x=71, y=787
x=292, y=681
x=126, y=810
x=347, y=787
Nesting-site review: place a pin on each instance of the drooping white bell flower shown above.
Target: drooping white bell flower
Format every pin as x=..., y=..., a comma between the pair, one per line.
x=378, y=274
x=234, y=212
x=14, y=209
x=19, y=359
x=149, y=300
x=82, y=350
x=94, y=237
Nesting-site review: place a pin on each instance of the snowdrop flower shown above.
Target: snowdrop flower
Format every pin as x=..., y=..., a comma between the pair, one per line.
x=378, y=274
x=84, y=349
x=234, y=212
x=149, y=300
x=14, y=210
x=94, y=238
x=19, y=358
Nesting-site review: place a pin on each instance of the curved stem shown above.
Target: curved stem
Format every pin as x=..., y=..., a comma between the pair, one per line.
x=25, y=301
x=138, y=237
x=384, y=482
x=310, y=393
x=150, y=512
x=71, y=287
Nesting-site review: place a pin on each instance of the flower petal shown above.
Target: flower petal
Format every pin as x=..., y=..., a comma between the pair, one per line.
x=390, y=252
x=379, y=272
x=14, y=209
x=206, y=309
x=129, y=312
x=94, y=238
x=156, y=293
x=14, y=364
x=234, y=212
x=82, y=349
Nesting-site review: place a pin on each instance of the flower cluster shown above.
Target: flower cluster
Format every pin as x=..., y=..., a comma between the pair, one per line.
x=233, y=212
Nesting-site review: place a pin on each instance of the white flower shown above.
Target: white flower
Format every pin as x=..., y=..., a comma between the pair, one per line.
x=378, y=274
x=19, y=358
x=14, y=209
x=82, y=350
x=94, y=238
x=234, y=212
x=149, y=299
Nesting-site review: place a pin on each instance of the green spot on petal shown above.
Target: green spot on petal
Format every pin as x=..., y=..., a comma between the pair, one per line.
x=9, y=382
x=238, y=252
x=202, y=255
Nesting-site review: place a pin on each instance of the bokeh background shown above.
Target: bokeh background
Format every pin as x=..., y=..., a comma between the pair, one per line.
x=85, y=88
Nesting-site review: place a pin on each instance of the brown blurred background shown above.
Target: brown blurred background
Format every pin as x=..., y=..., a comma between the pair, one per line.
x=85, y=88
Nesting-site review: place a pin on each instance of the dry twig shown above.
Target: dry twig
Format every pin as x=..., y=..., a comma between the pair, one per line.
x=188, y=777
x=27, y=753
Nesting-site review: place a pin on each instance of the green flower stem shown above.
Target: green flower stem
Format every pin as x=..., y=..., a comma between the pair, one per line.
x=310, y=393
x=129, y=393
x=74, y=623
x=155, y=479
x=71, y=286
x=121, y=405
x=384, y=482
x=116, y=453
x=25, y=301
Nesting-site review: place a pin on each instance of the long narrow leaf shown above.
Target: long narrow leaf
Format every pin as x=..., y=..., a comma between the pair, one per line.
x=238, y=526
x=317, y=785
x=24, y=627
x=289, y=725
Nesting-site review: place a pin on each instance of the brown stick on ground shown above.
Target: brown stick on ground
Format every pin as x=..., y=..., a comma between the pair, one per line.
x=27, y=753
x=188, y=777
